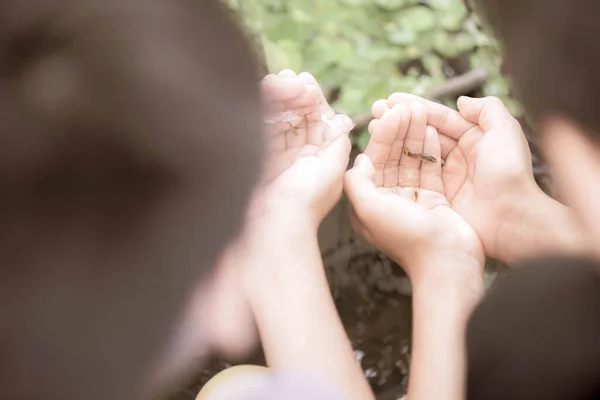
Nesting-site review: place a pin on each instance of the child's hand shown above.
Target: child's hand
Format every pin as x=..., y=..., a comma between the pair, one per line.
x=489, y=179
x=308, y=150
x=277, y=262
x=399, y=199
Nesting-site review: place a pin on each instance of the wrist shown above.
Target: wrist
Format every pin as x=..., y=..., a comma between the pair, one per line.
x=283, y=229
x=272, y=215
x=539, y=225
x=275, y=251
x=452, y=278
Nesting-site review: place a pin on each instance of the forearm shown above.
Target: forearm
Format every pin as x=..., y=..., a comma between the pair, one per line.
x=296, y=316
x=441, y=308
x=541, y=226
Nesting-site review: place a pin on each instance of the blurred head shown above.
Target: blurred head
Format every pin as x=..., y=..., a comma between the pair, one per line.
x=552, y=52
x=129, y=149
x=535, y=336
x=548, y=347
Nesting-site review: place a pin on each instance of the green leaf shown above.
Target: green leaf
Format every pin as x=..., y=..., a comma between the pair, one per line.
x=402, y=38
x=300, y=16
x=433, y=64
x=514, y=107
x=496, y=86
x=444, y=45
x=361, y=139
x=442, y=5
x=412, y=52
x=351, y=101
x=355, y=3
x=391, y=4
x=282, y=55
x=357, y=46
x=416, y=19
x=283, y=27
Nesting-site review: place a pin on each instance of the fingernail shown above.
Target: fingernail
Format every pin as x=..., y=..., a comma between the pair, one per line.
x=344, y=122
x=359, y=160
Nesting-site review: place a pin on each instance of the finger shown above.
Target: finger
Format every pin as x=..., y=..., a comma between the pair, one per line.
x=316, y=131
x=408, y=172
x=380, y=144
x=379, y=108
x=372, y=126
x=276, y=90
x=276, y=142
x=295, y=98
x=295, y=135
x=447, y=121
x=287, y=73
x=359, y=184
x=431, y=172
x=306, y=103
x=337, y=155
x=447, y=144
x=340, y=125
x=392, y=169
x=488, y=112
x=325, y=108
x=323, y=128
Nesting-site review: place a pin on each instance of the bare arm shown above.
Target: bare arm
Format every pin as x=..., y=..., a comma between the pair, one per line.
x=295, y=313
x=441, y=308
x=540, y=226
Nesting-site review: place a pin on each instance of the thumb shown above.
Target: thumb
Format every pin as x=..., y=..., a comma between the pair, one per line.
x=488, y=112
x=340, y=125
x=359, y=182
x=337, y=155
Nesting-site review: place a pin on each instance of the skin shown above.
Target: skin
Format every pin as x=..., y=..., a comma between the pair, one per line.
x=575, y=162
x=438, y=249
x=302, y=181
x=532, y=224
x=497, y=195
x=402, y=206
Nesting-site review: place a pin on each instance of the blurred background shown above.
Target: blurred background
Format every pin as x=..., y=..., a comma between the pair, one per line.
x=361, y=51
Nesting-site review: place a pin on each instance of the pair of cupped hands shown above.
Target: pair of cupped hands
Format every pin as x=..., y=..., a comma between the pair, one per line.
x=418, y=211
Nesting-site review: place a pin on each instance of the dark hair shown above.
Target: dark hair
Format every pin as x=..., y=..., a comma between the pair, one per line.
x=535, y=336
x=552, y=52
x=129, y=149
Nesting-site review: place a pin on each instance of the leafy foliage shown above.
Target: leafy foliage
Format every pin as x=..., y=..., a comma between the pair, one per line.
x=363, y=50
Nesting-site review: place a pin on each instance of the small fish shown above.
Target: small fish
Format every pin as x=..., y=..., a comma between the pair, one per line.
x=423, y=156
x=428, y=157
x=293, y=128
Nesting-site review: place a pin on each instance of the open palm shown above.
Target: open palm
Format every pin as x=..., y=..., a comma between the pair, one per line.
x=307, y=145
x=399, y=199
x=488, y=170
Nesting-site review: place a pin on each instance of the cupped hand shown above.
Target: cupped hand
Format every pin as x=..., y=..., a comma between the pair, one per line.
x=399, y=201
x=307, y=153
x=307, y=149
x=488, y=174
